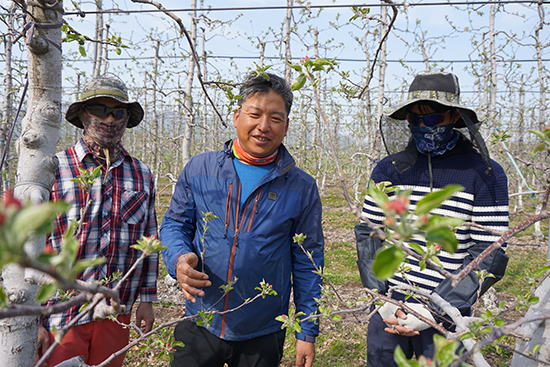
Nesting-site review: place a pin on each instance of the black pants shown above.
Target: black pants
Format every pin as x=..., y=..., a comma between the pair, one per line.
x=203, y=349
x=381, y=344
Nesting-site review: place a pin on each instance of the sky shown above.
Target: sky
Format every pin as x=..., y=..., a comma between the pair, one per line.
x=238, y=37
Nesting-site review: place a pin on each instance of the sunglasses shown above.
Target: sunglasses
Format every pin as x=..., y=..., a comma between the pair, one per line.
x=431, y=119
x=103, y=111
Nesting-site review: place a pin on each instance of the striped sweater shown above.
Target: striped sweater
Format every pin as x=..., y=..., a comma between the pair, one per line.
x=483, y=201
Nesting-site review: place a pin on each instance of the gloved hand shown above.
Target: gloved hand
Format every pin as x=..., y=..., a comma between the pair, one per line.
x=388, y=310
x=413, y=322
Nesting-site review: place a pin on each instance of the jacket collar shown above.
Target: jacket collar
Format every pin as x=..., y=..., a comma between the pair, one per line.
x=284, y=163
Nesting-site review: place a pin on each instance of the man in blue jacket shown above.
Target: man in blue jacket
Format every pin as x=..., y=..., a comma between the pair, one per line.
x=260, y=200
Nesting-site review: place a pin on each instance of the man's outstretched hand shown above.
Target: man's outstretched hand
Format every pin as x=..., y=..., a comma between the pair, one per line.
x=189, y=279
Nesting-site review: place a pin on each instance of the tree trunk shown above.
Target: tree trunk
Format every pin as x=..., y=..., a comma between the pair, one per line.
x=106, y=50
x=537, y=331
x=492, y=50
x=154, y=116
x=371, y=127
x=188, y=103
x=76, y=131
x=377, y=146
x=7, y=103
x=35, y=170
x=98, y=36
x=485, y=89
x=542, y=85
x=144, y=124
x=288, y=55
x=205, y=130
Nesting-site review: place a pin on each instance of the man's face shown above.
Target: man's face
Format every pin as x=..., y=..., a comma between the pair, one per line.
x=105, y=121
x=261, y=123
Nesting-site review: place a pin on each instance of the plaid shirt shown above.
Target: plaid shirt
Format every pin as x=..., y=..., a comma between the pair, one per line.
x=122, y=210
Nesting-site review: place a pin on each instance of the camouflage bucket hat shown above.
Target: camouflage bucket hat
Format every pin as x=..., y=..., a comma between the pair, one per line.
x=105, y=87
x=439, y=87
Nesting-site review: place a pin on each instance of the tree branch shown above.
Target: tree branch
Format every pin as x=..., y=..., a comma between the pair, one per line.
x=379, y=49
x=160, y=7
x=456, y=279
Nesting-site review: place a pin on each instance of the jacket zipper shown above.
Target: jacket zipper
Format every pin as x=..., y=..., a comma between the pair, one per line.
x=227, y=210
x=238, y=226
x=255, y=209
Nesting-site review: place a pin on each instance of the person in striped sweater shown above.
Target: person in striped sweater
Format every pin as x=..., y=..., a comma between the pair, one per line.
x=432, y=141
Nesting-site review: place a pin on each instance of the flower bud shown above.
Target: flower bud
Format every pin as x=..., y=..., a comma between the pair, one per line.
x=399, y=206
x=10, y=200
x=423, y=219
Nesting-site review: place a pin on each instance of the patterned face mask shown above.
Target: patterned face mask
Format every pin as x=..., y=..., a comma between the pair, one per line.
x=99, y=135
x=434, y=140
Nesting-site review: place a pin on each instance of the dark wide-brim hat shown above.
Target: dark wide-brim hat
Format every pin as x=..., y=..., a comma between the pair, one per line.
x=103, y=86
x=438, y=87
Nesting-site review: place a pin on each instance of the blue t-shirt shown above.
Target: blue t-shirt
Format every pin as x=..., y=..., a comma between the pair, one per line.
x=249, y=176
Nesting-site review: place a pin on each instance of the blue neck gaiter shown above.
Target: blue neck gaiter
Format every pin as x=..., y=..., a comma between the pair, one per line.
x=434, y=140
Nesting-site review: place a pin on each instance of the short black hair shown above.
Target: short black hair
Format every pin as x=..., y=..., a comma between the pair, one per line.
x=259, y=83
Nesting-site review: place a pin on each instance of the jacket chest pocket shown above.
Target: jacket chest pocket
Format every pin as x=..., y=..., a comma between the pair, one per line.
x=133, y=207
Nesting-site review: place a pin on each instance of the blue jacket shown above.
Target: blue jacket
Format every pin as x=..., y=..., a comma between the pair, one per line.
x=252, y=243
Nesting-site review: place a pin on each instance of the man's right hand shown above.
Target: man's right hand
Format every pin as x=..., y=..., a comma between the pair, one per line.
x=189, y=279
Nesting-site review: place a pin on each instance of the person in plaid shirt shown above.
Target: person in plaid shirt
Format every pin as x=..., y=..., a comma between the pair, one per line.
x=122, y=210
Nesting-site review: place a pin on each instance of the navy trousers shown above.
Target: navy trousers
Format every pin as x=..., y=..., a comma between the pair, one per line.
x=381, y=344
x=204, y=349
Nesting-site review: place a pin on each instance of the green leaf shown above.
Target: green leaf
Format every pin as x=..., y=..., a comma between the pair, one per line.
x=36, y=218
x=401, y=358
x=335, y=317
x=416, y=247
x=541, y=135
x=536, y=348
x=299, y=82
x=324, y=62
x=3, y=298
x=533, y=300
x=434, y=199
x=386, y=262
x=446, y=354
x=379, y=197
x=82, y=265
x=46, y=292
x=445, y=237
x=422, y=265
x=439, y=222
x=435, y=259
x=82, y=51
x=539, y=148
x=297, y=67
x=467, y=335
